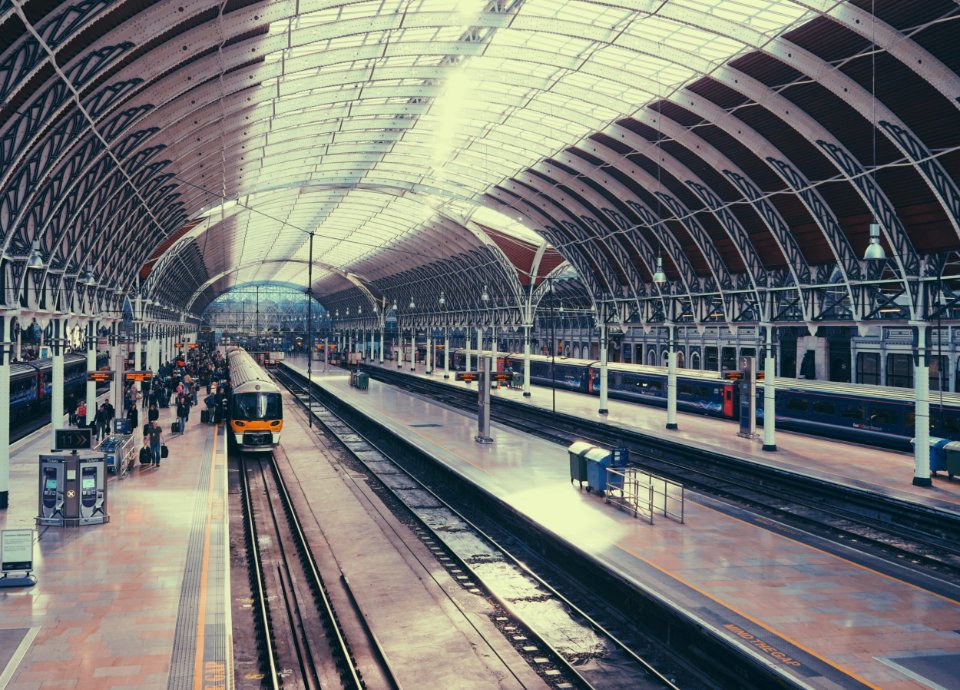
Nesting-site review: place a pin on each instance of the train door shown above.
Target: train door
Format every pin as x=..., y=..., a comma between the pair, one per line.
x=729, y=401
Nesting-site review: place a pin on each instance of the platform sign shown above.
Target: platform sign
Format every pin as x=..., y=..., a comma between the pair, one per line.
x=192, y=346
x=178, y=345
x=16, y=550
x=100, y=376
x=748, y=398
x=139, y=375
x=74, y=439
x=467, y=376
x=502, y=376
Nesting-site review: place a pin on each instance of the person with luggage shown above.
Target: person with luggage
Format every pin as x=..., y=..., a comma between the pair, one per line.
x=81, y=414
x=183, y=411
x=153, y=414
x=156, y=441
x=101, y=422
x=146, y=455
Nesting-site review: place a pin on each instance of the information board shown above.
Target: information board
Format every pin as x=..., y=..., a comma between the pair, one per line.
x=73, y=439
x=139, y=375
x=100, y=376
x=16, y=550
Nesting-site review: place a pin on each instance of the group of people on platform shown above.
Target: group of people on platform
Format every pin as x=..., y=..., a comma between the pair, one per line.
x=178, y=382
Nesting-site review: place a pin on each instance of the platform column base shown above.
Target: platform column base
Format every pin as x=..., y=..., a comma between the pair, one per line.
x=603, y=411
x=526, y=395
x=770, y=448
x=922, y=481
x=446, y=376
x=4, y=498
x=672, y=427
x=483, y=439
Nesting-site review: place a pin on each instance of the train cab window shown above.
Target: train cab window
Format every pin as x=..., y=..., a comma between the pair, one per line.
x=868, y=368
x=900, y=370
x=710, y=361
x=823, y=407
x=251, y=406
x=854, y=412
x=797, y=404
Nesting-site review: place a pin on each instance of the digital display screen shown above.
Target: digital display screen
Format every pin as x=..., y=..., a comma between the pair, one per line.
x=51, y=484
x=88, y=483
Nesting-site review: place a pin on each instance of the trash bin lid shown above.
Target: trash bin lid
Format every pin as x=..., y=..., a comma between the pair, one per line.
x=579, y=447
x=953, y=446
x=598, y=455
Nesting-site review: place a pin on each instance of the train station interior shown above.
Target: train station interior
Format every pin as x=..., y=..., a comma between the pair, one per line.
x=499, y=344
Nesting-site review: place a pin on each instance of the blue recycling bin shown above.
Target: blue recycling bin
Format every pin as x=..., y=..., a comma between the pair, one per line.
x=598, y=460
x=938, y=455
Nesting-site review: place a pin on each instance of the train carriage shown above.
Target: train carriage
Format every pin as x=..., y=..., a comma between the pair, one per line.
x=255, y=411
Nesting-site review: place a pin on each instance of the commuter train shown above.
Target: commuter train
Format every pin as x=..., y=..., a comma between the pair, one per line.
x=874, y=415
x=31, y=385
x=255, y=410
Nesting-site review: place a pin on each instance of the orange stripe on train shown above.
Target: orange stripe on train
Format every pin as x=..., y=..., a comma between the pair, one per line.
x=257, y=425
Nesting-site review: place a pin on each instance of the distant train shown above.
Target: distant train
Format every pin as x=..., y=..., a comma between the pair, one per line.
x=874, y=415
x=31, y=385
x=255, y=410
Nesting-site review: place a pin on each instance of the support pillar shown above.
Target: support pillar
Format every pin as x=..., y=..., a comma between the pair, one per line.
x=446, y=354
x=466, y=338
x=526, y=361
x=91, y=366
x=381, y=344
x=116, y=363
x=672, y=379
x=921, y=387
x=603, y=369
x=136, y=353
x=429, y=352
x=57, y=343
x=769, y=396
x=413, y=349
x=6, y=352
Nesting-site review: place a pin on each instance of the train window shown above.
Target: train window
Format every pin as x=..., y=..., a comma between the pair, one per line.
x=880, y=417
x=900, y=370
x=868, y=368
x=710, y=362
x=853, y=412
x=653, y=385
x=949, y=422
x=685, y=389
x=823, y=407
x=797, y=404
x=909, y=421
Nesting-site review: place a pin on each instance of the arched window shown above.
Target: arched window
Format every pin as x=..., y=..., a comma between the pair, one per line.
x=651, y=357
x=680, y=359
x=695, y=360
x=576, y=352
x=664, y=357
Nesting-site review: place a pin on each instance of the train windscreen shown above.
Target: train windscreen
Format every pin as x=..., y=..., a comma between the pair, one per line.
x=253, y=406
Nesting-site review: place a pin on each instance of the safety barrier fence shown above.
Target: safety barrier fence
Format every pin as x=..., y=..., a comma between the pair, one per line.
x=644, y=494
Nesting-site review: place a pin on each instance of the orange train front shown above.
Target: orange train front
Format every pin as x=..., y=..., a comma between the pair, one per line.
x=256, y=407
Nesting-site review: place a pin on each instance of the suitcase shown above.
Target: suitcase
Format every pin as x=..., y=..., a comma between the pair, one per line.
x=164, y=451
x=204, y=416
x=145, y=458
x=175, y=428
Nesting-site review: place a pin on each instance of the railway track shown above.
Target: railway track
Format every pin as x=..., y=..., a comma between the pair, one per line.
x=302, y=633
x=902, y=533
x=589, y=645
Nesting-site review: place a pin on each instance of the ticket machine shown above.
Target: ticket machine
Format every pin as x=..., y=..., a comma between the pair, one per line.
x=73, y=489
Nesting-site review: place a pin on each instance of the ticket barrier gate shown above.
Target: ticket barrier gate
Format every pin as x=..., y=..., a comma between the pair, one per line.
x=73, y=490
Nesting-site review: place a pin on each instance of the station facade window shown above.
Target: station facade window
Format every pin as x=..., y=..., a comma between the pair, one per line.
x=694, y=360
x=868, y=368
x=939, y=368
x=728, y=359
x=900, y=371
x=710, y=360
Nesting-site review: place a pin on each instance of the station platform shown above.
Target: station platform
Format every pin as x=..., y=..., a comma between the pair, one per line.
x=885, y=472
x=817, y=615
x=140, y=602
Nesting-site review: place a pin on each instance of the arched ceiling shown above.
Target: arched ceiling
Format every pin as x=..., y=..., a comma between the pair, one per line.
x=745, y=144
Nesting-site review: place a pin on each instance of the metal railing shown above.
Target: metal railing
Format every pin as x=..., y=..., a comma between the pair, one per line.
x=644, y=494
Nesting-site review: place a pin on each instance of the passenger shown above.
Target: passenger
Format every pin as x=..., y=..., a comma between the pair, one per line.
x=156, y=439
x=134, y=417
x=81, y=414
x=101, y=422
x=153, y=414
x=183, y=411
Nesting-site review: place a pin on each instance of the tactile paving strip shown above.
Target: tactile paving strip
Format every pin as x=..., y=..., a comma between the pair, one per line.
x=209, y=505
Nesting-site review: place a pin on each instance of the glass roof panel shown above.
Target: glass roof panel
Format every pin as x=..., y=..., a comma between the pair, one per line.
x=434, y=99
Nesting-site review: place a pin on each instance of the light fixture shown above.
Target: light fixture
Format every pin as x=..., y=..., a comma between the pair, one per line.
x=88, y=279
x=485, y=296
x=412, y=305
x=443, y=300
x=35, y=260
x=394, y=307
x=875, y=251
x=659, y=277
x=360, y=310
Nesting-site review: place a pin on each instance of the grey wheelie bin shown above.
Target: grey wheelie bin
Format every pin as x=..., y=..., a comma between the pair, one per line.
x=578, y=464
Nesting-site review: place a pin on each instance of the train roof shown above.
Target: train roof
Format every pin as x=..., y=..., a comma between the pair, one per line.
x=246, y=376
